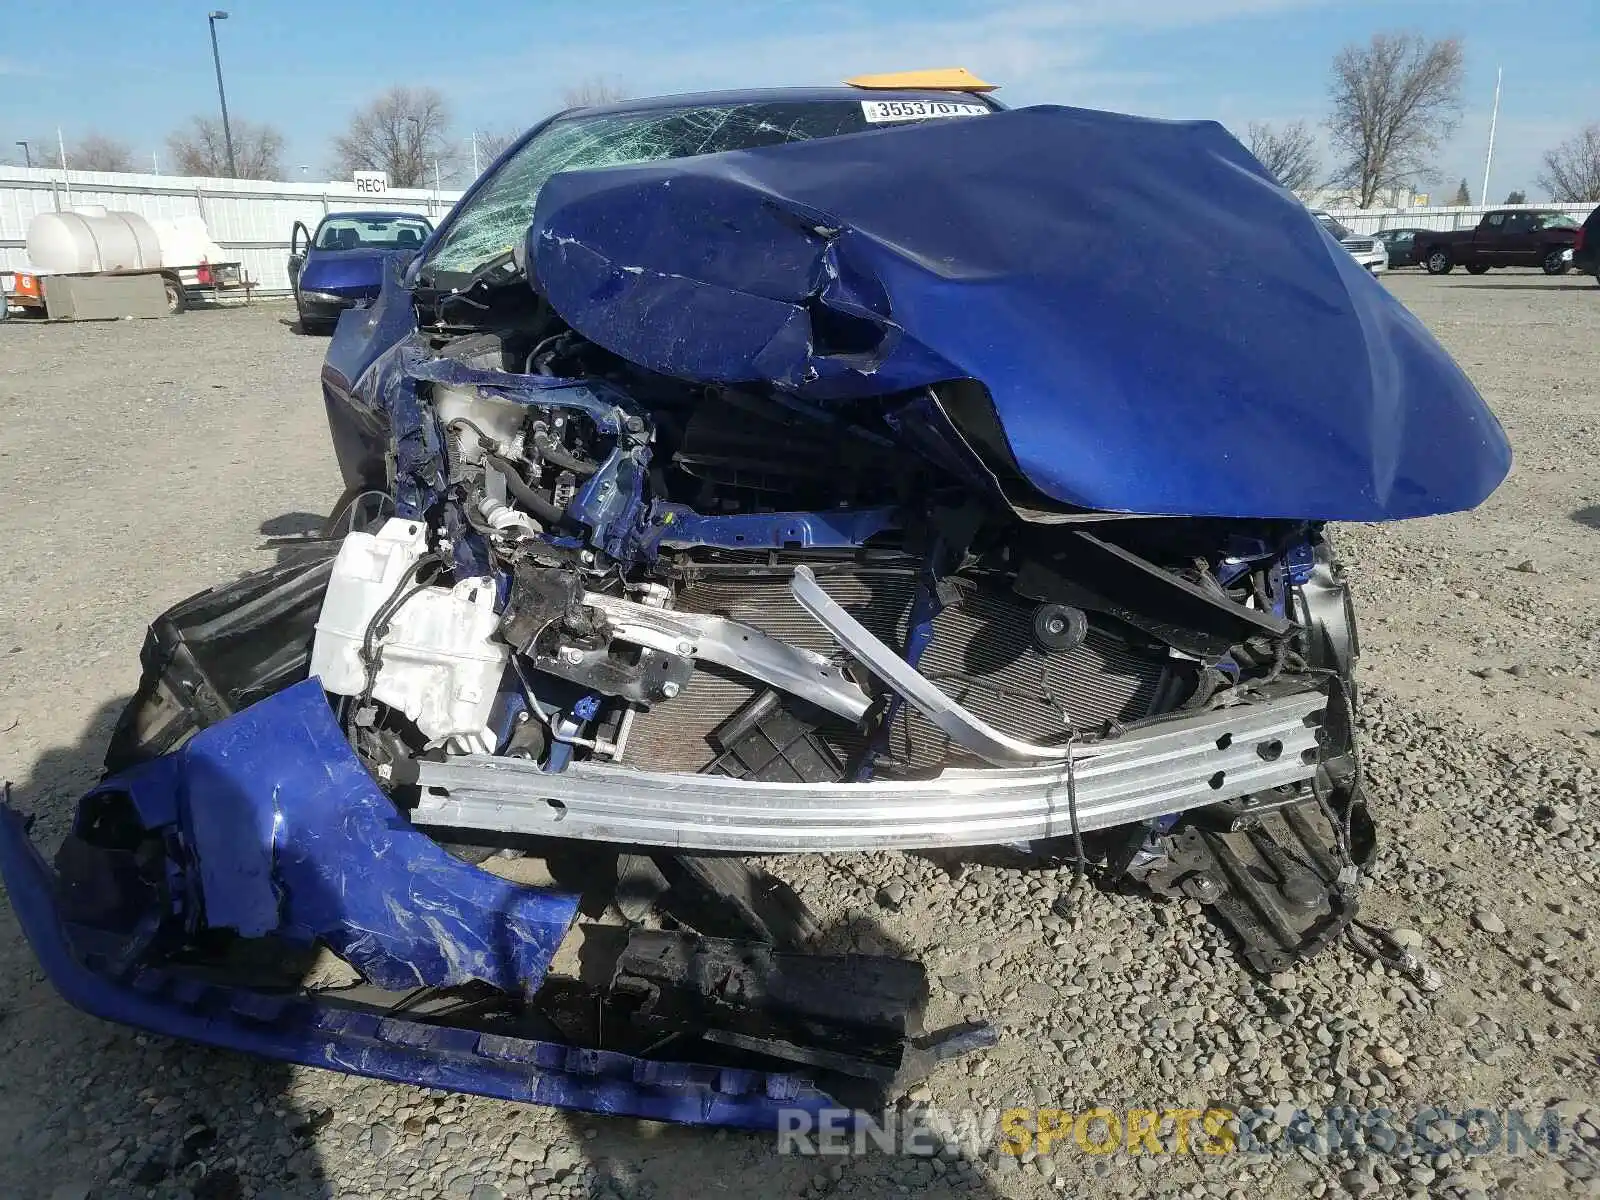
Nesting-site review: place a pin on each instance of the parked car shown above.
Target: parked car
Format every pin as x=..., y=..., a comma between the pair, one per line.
x=723, y=502
x=1401, y=245
x=1586, y=248
x=1370, y=252
x=341, y=265
x=1503, y=238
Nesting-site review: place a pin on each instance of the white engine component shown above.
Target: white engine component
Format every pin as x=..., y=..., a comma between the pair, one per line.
x=499, y=419
x=441, y=663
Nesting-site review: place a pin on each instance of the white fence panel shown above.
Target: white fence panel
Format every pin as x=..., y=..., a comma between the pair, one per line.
x=251, y=219
x=1372, y=220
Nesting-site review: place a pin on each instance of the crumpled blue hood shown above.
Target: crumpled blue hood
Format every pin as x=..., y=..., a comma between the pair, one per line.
x=1161, y=328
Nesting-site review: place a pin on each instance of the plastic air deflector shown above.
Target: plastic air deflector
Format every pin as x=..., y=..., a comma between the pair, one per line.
x=766, y=740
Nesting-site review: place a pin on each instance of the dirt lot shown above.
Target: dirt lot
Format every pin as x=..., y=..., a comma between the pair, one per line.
x=142, y=461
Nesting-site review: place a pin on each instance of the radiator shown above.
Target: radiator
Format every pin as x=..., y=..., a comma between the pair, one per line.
x=982, y=654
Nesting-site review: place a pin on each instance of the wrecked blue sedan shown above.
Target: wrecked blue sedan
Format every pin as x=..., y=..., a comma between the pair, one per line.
x=764, y=473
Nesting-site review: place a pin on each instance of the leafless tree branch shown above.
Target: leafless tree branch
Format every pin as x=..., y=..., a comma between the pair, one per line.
x=1572, y=170
x=591, y=92
x=96, y=152
x=404, y=133
x=200, y=148
x=492, y=143
x=1289, y=153
x=1394, y=100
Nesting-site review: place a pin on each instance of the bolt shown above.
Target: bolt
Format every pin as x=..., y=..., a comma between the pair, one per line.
x=686, y=648
x=586, y=558
x=1056, y=625
x=669, y=689
x=572, y=655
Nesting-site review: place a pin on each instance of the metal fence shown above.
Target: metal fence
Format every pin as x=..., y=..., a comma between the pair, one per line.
x=248, y=218
x=1467, y=216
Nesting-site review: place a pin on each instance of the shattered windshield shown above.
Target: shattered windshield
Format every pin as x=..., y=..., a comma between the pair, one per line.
x=499, y=215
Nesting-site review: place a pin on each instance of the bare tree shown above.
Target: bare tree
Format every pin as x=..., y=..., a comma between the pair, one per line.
x=591, y=92
x=1572, y=169
x=200, y=148
x=1516, y=197
x=1290, y=153
x=492, y=143
x=96, y=152
x=405, y=133
x=1463, y=194
x=1395, y=100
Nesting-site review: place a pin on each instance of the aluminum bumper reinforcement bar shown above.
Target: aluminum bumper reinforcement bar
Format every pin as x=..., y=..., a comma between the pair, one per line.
x=1166, y=767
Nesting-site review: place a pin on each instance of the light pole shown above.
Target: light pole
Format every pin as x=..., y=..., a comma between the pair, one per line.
x=227, y=133
x=27, y=154
x=1494, y=119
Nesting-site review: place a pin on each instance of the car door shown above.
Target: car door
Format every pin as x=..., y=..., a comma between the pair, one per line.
x=1517, y=245
x=299, y=245
x=1487, y=240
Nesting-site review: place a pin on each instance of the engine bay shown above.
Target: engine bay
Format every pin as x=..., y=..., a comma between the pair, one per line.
x=585, y=556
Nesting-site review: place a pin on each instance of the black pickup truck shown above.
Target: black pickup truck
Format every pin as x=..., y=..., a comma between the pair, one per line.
x=1504, y=238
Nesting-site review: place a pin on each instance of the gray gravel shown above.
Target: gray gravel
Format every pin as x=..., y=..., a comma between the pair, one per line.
x=139, y=461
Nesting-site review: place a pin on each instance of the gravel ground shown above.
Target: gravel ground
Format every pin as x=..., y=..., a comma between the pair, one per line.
x=141, y=461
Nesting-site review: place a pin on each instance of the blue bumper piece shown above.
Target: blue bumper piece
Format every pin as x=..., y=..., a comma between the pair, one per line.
x=273, y=826
x=302, y=1031
x=289, y=835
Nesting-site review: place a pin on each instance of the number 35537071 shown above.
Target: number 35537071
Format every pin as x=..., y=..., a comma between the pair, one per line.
x=879, y=111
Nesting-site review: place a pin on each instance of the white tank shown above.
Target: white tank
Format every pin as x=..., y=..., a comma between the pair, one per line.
x=185, y=242
x=91, y=240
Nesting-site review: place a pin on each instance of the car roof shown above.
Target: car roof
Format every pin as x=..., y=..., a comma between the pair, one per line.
x=371, y=214
x=792, y=95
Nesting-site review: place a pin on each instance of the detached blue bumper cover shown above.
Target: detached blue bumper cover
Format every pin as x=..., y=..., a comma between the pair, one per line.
x=282, y=832
x=1162, y=329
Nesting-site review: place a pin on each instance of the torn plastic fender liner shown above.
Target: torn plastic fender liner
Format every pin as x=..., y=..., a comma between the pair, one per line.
x=1161, y=328
x=288, y=834
x=298, y=1030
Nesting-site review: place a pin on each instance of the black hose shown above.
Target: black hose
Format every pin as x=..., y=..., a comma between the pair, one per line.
x=563, y=458
x=531, y=500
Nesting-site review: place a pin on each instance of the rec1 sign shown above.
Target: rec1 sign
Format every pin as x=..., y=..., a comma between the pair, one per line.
x=371, y=183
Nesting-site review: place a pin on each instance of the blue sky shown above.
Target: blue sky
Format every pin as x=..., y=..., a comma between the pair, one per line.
x=137, y=70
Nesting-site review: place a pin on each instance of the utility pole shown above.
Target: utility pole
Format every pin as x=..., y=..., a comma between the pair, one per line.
x=1494, y=119
x=474, y=153
x=61, y=148
x=27, y=154
x=216, y=58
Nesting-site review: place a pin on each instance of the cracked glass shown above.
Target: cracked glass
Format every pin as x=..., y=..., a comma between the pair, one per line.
x=499, y=215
